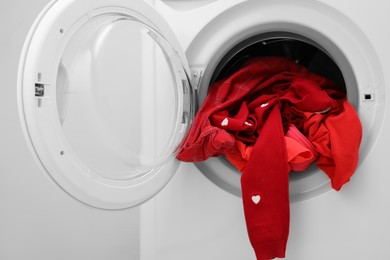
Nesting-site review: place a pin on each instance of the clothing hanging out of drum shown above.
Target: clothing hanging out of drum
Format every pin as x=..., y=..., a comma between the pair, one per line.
x=269, y=117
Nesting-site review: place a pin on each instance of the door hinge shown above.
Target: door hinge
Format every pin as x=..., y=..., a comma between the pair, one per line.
x=196, y=76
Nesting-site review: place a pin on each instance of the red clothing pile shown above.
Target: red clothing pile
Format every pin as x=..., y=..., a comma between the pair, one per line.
x=270, y=117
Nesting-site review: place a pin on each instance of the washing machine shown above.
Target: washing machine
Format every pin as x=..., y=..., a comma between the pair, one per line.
x=98, y=96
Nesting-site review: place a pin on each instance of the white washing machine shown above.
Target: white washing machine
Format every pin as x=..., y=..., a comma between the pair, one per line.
x=97, y=97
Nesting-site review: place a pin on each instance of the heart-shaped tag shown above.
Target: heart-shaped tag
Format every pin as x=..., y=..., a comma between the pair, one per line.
x=225, y=122
x=256, y=199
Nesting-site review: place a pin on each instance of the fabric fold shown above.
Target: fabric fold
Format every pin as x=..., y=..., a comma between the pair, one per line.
x=336, y=137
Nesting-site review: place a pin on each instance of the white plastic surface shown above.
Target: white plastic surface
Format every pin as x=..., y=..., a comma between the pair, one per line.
x=38, y=219
x=350, y=224
x=116, y=102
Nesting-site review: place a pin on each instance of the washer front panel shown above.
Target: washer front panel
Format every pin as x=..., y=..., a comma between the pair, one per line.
x=106, y=99
x=335, y=33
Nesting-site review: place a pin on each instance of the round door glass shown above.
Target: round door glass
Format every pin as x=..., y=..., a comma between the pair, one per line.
x=123, y=98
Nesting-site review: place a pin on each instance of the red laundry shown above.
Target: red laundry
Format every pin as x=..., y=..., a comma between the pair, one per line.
x=206, y=139
x=300, y=152
x=336, y=137
x=270, y=112
x=265, y=177
x=240, y=157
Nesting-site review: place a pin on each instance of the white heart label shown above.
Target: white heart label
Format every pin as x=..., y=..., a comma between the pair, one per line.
x=256, y=199
x=225, y=122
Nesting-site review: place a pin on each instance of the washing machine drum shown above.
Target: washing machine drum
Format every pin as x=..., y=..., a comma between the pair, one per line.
x=105, y=99
x=287, y=45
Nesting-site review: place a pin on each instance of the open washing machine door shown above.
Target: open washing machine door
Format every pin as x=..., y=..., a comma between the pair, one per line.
x=105, y=99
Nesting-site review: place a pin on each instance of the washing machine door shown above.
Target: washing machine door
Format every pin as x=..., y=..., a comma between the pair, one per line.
x=105, y=99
